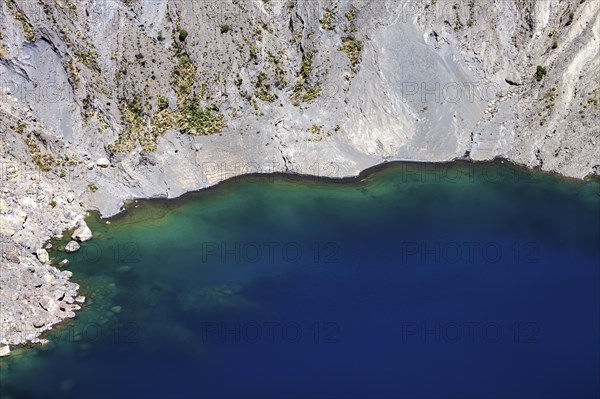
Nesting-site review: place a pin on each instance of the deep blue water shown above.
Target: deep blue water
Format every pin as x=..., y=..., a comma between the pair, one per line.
x=468, y=281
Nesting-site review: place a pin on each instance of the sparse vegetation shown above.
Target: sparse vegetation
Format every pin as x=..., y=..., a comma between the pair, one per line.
x=163, y=121
x=183, y=77
x=135, y=127
x=302, y=91
x=20, y=128
x=319, y=131
x=159, y=36
x=42, y=160
x=197, y=121
x=352, y=48
x=189, y=116
x=549, y=98
x=315, y=129
x=93, y=187
x=458, y=25
x=224, y=28
x=554, y=44
x=89, y=58
x=311, y=93
x=471, y=20
x=351, y=14
x=27, y=27
x=262, y=88
x=53, y=204
x=327, y=20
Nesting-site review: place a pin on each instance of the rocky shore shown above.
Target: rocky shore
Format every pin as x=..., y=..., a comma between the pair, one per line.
x=105, y=101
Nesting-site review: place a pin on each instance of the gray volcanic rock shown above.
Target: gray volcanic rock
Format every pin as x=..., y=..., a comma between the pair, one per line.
x=82, y=233
x=43, y=256
x=99, y=103
x=103, y=162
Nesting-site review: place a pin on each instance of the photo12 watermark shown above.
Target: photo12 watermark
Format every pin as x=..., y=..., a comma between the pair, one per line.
x=469, y=252
x=470, y=332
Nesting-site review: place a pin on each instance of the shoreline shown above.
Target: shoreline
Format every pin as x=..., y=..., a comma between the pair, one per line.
x=344, y=180
x=418, y=166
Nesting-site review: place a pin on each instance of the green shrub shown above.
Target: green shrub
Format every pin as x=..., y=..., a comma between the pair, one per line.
x=540, y=72
x=224, y=28
x=182, y=34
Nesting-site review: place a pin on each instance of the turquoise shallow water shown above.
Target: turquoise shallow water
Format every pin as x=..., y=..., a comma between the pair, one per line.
x=420, y=281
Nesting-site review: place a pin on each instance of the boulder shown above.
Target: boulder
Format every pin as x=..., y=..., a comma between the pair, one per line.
x=48, y=278
x=38, y=323
x=12, y=255
x=4, y=351
x=82, y=233
x=513, y=78
x=70, y=197
x=42, y=255
x=103, y=163
x=72, y=246
x=12, y=222
x=49, y=304
x=64, y=262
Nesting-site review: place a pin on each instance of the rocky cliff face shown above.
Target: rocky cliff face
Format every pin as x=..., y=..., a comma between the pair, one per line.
x=108, y=100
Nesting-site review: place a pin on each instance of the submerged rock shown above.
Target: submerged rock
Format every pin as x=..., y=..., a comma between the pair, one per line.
x=72, y=246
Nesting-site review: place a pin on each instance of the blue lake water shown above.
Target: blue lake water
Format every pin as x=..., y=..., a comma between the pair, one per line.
x=414, y=281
